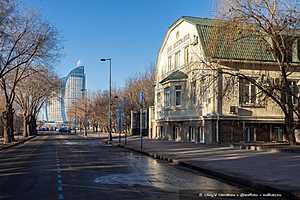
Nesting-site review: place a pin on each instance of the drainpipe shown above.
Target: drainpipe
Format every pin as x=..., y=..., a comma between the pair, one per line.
x=217, y=128
x=219, y=103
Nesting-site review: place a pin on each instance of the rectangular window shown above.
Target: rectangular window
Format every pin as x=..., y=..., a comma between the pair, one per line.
x=178, y=95
x=295, y=92
x=167, y=97
x=177, y=59
x=205, y=94
x=186, y=55
x=193, y=92
x=169, y=63
x=158, y=98
x=247, y=92
x=278, y=134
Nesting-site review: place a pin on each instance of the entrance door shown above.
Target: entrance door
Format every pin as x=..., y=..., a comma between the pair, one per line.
x=249, y=134
x=189, y=136
x=177, y=134
x=202, y=136
x=161, y=132
x=193, y=131
x=174, y=133
x=278, y=134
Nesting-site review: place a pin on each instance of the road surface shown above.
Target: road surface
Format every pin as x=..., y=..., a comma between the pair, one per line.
x=72, y=167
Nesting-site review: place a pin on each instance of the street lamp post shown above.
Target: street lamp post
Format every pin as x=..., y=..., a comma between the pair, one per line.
x=109, y=106
x=85, y=110
x=75, y=117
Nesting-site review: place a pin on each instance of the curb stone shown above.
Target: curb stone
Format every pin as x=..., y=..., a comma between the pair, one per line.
x=229, y=178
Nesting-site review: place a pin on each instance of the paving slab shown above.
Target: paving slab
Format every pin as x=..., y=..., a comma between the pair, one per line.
x=271, y=169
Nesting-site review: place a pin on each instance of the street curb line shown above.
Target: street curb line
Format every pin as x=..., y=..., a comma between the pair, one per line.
x=17, y=143
x=285, y=148
x=221, y=176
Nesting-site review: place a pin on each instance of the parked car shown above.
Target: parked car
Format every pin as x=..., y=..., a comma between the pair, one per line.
x=43, y=129
x=64, y=130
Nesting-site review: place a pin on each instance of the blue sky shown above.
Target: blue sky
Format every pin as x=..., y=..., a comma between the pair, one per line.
x=128, y=31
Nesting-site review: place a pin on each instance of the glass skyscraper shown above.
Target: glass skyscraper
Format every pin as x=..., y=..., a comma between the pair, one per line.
x=72, y=87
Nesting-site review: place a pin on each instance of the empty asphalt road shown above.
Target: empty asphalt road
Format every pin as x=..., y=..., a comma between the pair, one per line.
x=72, y=167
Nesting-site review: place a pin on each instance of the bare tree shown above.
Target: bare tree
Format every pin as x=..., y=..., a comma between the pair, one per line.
x=130, y=94
x=274, y=26
x=32, y=93
x=80, y=111
x=26, y=42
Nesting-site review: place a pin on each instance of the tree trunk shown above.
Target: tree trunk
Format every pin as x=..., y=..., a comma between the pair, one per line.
x=291, y=136
x=31, y=131
x=8, y=116
x=286, y=95
x=290, y=133
x=25, y=126
x=32, y=126
x=290, y=127
x=6, y=138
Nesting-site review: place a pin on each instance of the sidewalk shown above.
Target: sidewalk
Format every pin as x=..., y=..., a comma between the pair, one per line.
x=19, y=140
x=270, y=170
x=279, y=147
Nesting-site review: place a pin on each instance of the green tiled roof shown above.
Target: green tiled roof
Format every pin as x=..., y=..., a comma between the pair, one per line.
x=176, y=75
x=216, y=46
x=200, y=20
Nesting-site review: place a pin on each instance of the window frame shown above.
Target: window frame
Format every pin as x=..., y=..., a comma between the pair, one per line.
x=169, y=62
x=193, y=92
x=177, y=59
x=180, y=92
x=167, y=97
x=252, y=99
x=158, y=97
x=295, y=91
x=186, y=55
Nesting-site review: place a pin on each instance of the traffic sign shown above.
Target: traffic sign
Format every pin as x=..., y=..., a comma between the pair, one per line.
x=120, y=120
x=142, y=98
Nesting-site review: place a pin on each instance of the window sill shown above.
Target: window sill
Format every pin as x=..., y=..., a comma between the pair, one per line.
x=173, y=108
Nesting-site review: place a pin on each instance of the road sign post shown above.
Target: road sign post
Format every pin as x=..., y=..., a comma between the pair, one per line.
x=142, y=100
x=120, y=118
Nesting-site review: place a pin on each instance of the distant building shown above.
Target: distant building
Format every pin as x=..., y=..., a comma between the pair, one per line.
x=189, y=107
x=54, y=111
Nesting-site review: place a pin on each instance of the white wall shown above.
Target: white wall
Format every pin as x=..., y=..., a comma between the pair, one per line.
x=177, y=38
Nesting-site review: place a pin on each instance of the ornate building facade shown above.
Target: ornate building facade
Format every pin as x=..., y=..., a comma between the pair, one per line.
x=189, y=106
